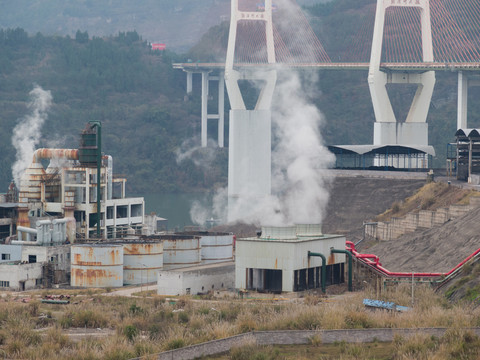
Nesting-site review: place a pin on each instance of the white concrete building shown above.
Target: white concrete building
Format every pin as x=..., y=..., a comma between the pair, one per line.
x=196, y=280
x=278, y=260
x=32, y=266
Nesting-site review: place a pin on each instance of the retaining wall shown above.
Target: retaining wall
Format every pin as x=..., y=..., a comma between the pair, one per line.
x=297, y=337
x=424, y=219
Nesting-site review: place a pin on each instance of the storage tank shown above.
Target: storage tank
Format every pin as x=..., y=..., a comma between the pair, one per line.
x=309, y=230
x=279, y=232
x=97, y=265
x=141, y=261
x=215, y=246
x=180, y=251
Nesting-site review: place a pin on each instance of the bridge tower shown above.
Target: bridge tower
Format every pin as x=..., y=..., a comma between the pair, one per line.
x=414, y=129
x=249, y=157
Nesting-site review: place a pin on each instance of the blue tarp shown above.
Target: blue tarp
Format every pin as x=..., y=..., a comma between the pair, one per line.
x=384, y=305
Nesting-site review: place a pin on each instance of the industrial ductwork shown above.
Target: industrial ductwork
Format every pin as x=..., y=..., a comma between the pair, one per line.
x=47, y=232
x=45, y=153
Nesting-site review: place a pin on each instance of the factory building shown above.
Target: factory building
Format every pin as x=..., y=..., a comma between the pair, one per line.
x=42, y=260
x=196, y=280
x=279, y=259
x=67, y=188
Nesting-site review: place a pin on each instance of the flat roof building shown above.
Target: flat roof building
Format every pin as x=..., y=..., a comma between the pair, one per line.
x=278, y=260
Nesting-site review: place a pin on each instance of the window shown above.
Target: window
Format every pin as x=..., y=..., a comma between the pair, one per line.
x=4, y=283
x=5, y=256
x=32, y=259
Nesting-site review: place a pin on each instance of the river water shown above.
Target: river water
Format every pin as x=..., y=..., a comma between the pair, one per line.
x=176, y=207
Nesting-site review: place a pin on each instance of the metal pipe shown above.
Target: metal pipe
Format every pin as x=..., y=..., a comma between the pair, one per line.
x=110, y=177
x=324, y=268
x=350, y=265
x=376, y=264
x=98, y=124
x=28, y=231
x=45, y=153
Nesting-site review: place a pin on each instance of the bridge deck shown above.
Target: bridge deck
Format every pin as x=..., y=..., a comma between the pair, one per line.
x=438, y=66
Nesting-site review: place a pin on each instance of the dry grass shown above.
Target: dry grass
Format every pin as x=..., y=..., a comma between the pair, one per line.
x=431, y=196
x=143, y=326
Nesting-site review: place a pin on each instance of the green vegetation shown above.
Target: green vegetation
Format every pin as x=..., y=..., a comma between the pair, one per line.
x=139, y=97
x=118, y=80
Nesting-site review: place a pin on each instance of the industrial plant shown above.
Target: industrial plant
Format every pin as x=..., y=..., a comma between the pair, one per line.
x=71, y=225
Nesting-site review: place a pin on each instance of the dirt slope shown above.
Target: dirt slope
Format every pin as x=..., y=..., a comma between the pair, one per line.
x=356, y=199
x=433, y=250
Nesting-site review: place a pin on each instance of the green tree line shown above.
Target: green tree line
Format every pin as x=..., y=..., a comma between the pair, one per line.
x=118, y=80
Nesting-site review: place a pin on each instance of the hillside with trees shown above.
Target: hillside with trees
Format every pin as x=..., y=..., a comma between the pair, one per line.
x=146, y=117
x=118, y=80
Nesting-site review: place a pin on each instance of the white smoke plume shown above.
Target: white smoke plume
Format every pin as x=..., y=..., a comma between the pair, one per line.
x=27, y=133
x=201, y=156
x=299, y=157
x=299, y=186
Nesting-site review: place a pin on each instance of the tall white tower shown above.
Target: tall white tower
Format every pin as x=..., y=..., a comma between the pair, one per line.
x=387, y=130
x=249, y=158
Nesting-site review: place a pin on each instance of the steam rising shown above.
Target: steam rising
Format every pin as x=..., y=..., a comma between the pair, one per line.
x=299, y=186
x=299, y=159
x=26, y=134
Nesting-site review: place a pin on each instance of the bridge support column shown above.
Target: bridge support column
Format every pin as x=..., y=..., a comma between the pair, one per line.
x=249, y=155
x=221, y=109
x=249, y=160
x=387, y=130
x=189, y=82
x=462, y=100
x=206, y=78
x=400, y=133
x=204, y=128
x=464, y=82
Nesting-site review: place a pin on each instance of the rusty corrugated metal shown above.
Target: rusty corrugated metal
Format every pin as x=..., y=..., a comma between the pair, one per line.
x=97, y=265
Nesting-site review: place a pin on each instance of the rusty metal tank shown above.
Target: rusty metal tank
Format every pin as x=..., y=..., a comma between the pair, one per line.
x=181, y=251
x=97, y=265
x=141, y=261
x=215, y=246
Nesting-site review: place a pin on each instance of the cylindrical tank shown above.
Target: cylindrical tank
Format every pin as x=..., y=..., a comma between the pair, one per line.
x=97, y=265
x=309, y=230
x=215, y=247
x=279, y=232
x=180, y=251
x=141, y=261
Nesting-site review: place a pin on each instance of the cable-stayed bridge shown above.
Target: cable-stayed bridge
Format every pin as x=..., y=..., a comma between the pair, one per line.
x=398, y=42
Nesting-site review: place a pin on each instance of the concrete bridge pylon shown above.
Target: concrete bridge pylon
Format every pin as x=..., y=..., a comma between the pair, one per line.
x=249, y=156
x=414, y=129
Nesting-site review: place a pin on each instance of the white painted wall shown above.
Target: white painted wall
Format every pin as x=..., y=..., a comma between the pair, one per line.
x=15, y=252
x=176, y=282
x=27, y=273
x=285, y=255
